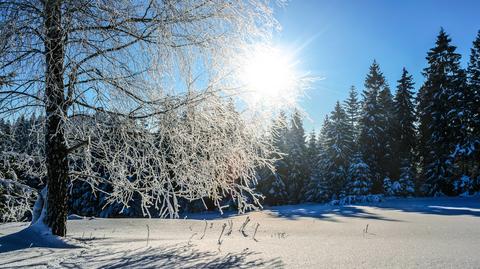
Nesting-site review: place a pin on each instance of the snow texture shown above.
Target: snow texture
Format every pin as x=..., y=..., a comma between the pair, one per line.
x=396, y=233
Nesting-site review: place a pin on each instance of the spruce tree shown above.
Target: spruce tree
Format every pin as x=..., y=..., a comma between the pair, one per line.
x=386, y=122
x=473, y=76
x=359, y=177
x=296, y=159
x=337, y=151
x=407, y=178
x=272, y=185
x=404, y=133
x=21, y=134
x=441, y=110
x=370, y=135
x=317, y=187
x=312, y=153
x=473, y=73
x=5, y=135
x=353, y=110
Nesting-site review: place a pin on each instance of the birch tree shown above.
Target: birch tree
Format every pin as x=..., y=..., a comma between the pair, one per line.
x=116, y=79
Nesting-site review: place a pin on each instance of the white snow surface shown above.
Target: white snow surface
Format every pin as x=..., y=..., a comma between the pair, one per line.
x=397, y=233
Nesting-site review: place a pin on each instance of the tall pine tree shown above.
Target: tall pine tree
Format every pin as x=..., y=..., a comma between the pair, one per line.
x=359, y=177
x=404, y=133
x=441, y=115
x=338, y=153
x=371, y=132
x=272, y=185
x=386, y=121
x=296, y=159
x=353, y=110
x=312, y=153
x=405, y=117
x=317, y=187
x=473, y=78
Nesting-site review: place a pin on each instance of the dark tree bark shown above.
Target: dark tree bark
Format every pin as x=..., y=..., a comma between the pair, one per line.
x=55, y=144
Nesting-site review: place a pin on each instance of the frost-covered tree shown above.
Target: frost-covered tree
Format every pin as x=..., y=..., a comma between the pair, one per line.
x=371, y=131
x=442, y=115
x=21, y=131
x=473, y=79
x=352, y=108
x=296, y=159
x=5, y=135
x=404, y=131
x=405, y=185
x=312, y=151
x=407, y=178
x=141, y=65
x=359, y=177
x=386, y=123
x=473, y=76
x=15, y=200
x=317, y=188
x=17, y=191
x=271, y=183
x=337, y=151
x=312, y=159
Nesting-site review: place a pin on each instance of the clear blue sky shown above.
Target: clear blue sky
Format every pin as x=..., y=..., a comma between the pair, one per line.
x=340, y=38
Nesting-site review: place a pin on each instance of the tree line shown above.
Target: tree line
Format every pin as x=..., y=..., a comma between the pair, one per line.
x=400, y=144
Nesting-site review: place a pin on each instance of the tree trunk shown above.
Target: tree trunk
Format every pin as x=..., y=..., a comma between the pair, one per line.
x=55, y=111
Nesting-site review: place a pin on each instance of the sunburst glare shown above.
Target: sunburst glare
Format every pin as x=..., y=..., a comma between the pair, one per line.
x=269, y=77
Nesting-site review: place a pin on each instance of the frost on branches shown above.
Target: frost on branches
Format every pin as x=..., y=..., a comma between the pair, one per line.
x=15, y=200
x=21, y=168
x=199, y=151
x=360, y=182
x=133, y=94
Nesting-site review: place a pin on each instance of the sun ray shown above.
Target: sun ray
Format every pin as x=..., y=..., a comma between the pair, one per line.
x=270, y=78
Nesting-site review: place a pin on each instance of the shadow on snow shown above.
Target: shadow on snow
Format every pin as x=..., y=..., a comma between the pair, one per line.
x=445, y=206
x=323, y=212
x=173, y=256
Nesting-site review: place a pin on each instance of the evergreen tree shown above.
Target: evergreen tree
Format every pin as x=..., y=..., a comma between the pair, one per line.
x=296, y=159
x=35, y=143
x=353, y=110
x=407, y=179
x=21, y=133
x=404, y=186
x=280, y=133
x=441, y=110
x=359, y=177
x=473, y=76
x=473, y=73
x=317, y=187
x=386, y=123
x=5, y=135
x=404, y=133
x=272, y=185
x=337, y=151
x=312, y=153
x=370, y=135
x=312, y=159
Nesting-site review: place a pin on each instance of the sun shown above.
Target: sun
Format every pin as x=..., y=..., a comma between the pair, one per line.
x=269, y=77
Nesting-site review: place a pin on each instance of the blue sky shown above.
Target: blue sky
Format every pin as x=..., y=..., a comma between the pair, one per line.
x=338, y=41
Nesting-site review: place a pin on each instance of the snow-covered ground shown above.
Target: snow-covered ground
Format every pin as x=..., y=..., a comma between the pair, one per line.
x=401, y=233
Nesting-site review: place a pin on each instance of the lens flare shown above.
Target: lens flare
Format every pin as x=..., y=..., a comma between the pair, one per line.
x=269, y=77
